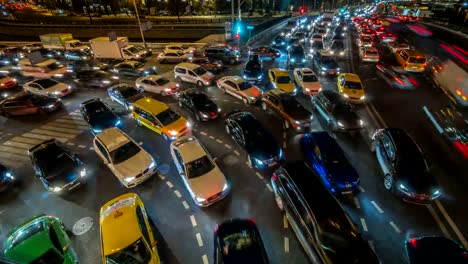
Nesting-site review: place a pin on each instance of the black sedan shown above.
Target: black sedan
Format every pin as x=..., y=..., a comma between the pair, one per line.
x=238, y=241
x=325, y=64
x=28, y=104
x=405, y=170
x=98, y=115
x=262, y=148
x=280, y=42
x=253, y=69
x=199, y=104
x=133, y=69
x=7, y=178
x=265, y=51
x=125, y=95
x=432, y=249
x=95, y=78
x=338, y=113
x=296, y=56
x=58, y=169
x=337, y=48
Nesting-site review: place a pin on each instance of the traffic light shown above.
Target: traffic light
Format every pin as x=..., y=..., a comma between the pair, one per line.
x=302, y=10
x=237, y=36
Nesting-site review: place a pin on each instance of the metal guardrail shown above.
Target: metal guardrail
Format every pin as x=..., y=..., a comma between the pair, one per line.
x=152, y=45
x=268, y=32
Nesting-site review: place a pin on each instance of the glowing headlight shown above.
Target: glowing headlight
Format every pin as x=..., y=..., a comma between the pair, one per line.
x=129, y=179
x=200, y=200
x=118, y=122
x=436, y=194
x=280, y=154
x=97, y=130
x=204, y=115
x=115, y=77
x=324, y=69
x=50, y=106
x=83, y=172
x=303, y=60
x=361, y=123
x=167, y=89
x=345, y=95
x=106, y=81
x=152, y=165
x=173, y=133
x=332, y=52
x=10, y=175
x=56, y=92
x=293, y=60
x=340, y=124
x=342, y=53
x=251, y=98
x=130, y=107
x=56, y=189
x=363, y=97
x=225, y=187
x=297, y=122
x=188, y=124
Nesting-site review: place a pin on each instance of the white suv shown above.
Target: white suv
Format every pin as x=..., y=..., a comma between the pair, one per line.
x=200, y=174
x=193, y=73
x=129, y=162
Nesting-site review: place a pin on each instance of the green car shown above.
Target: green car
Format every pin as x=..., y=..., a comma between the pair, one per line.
x=43, y=239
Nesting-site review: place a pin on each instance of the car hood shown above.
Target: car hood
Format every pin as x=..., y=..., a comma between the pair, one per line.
x=254, y=92
x=312, y=85
x=342, y=172
x=299, y=114
x=36, y=245
x=209, y=184
x=263, y=148
x=208, y=76
x=103, y=121
x=170, y=85
x=134, y=165
x=57, y=88
x=252, y=72
x=287, y=87
x=6, y=79
x=207, y=107
x=348, y=117
x=329, y=65
x=177, y=125
x=414, y=176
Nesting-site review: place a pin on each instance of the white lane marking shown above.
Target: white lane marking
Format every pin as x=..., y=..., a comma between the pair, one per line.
x=203, y=133
x=371, y=244
x=75, y=122
x=52, y=133
x=205, y=259
x=211, y=137
x=186, y=206
x=248, y=164
x=62, y=129
x=199, y=240
x=177, y=193
x=431, y=117
x=452, y=224
x=169, y=184
x=227, y=146
x=377, y=207
x=269, y=187
x=376, y=113
x=285, y=222
x=91, y=148
x=236, y=152
x=364, y=225
x=67, y=125
x=70, y=143
x=192, y=219
x=82, y=146
x=37, y=136
x=19, y=145
x=13, y=157
x=161, y=177
x=285, y=134
x=284, y=144
x=356, y=202
x=395, y=227
x=27, y=140
x=13, y=150
x=219, y=141
x=286, y=245
x=259, y=175
x=361, y=189
x=438, y=221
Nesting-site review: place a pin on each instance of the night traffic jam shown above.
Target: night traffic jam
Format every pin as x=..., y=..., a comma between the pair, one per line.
x=338, y=137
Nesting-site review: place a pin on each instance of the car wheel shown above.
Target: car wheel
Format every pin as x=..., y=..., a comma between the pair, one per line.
x=178, y=79
x=388, y=182
x=164, y=61
x=244, y=100
x=264, y=106
x=199, y=84
x=232, y=61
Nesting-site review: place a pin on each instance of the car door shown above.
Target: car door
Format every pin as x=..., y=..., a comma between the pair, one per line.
x=103, y=154
x=386, y=154
x=272, y=77
x=232, y=88
x=341, y=82
x=145, y=228
x=321, y=105
x=298, y=78
x=118, y=97
x=171, y=57
x=35, y=88
x=152, y=123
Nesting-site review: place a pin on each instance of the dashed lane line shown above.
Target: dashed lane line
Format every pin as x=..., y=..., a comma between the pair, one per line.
x=211, y=137
x=227, y=146
x=361, y=189
x=52, y=133
x=68, y=125
x=356, y=203
x=185, y=204
x=219, y=141
x=199, y=240
x=259, y=175
x=73, y=122
x=285, y=222
x=236, y=152
x=205, y=259
x=203, y=133
x=13, y=150
x=395, y=227
x=452, y=224
x=38, y=136
x=377, y=207
x=269, y=187
x=62, y=129
x=192, y=219
x=177, y=193
x=82, y=146
x=161, y=177
x=364, y=224
x=169, y=184
x=27, y=140
x=70, y=143
x=286, y=244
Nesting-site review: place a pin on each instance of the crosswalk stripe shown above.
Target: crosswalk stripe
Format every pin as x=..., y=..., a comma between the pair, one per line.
x=68, y=121
x=52, y=133
x=36, y=136
x=18, y=145
x=66, y=125
x=13, y=150
x=27, y=140
x=12, y=157
x=62, y=129
x=72, y=117
x=12, y=163
x=76, y=114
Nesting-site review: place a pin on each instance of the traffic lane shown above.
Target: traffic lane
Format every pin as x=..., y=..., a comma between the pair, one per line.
x=445, y=35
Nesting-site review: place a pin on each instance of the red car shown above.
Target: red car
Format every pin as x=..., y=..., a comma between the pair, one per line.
x=7, y=82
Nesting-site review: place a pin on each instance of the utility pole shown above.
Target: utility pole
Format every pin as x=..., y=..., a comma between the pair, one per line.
x=139, y=23
x=232, y=12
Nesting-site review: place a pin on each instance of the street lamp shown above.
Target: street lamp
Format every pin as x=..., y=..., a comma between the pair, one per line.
x=139, y=24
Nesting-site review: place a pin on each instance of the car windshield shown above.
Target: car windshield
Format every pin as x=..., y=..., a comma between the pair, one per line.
x=291, y=104
x=371, y=52
x=244, y=86
x=337, y=45
x=129, y=92
x=353, y=85
x=200, y=71
x=48, y=159
x=240, y=246
x=417, y=60
x=46, y=83
x=283, y=79
x=199, y=167
x=138, y=65
x=317, y=45
x=27, y=232
x=54, y=66
x=162, y=81
x=40, y=100
x=309, y=78
x=124, y=152
x=96, y=108
x=51, y=256
x=201, y=99
x=133, y=50
x=136, y=253
x=167, y=117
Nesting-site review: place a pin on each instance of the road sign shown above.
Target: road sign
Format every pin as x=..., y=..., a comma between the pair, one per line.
x=250, y=27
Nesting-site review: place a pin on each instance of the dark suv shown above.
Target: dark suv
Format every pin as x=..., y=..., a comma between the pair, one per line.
x=326, y=232
x=222, y=53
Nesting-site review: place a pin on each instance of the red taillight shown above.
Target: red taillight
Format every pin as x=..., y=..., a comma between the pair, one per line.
x=252, y=221
x=463, y=148
x=398, y=80
x=274, y=177
x=413, y=81
x=414, y=242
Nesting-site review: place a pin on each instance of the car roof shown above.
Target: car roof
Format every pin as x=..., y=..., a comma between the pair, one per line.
x=190, y=149
x=117, y=214
x=129, y=62
x=351, y=77
x=235, y=79
x=188, y=65
x=279, y=72
x=402, y=140
x=153, y=77
x=414, y=53
x=113, y=138
x=151, y=105
x=305, y=71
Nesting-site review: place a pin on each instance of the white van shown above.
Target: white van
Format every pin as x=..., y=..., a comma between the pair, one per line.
x=45, y=69
x=193, y=73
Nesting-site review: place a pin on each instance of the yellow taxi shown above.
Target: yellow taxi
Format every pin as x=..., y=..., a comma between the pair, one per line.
x=411, y=60
x=281, y=80
x=126, y=231
x=160, y=118
x=350, y=87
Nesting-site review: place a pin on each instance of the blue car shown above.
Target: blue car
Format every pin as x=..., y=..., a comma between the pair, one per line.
x=327, y=158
